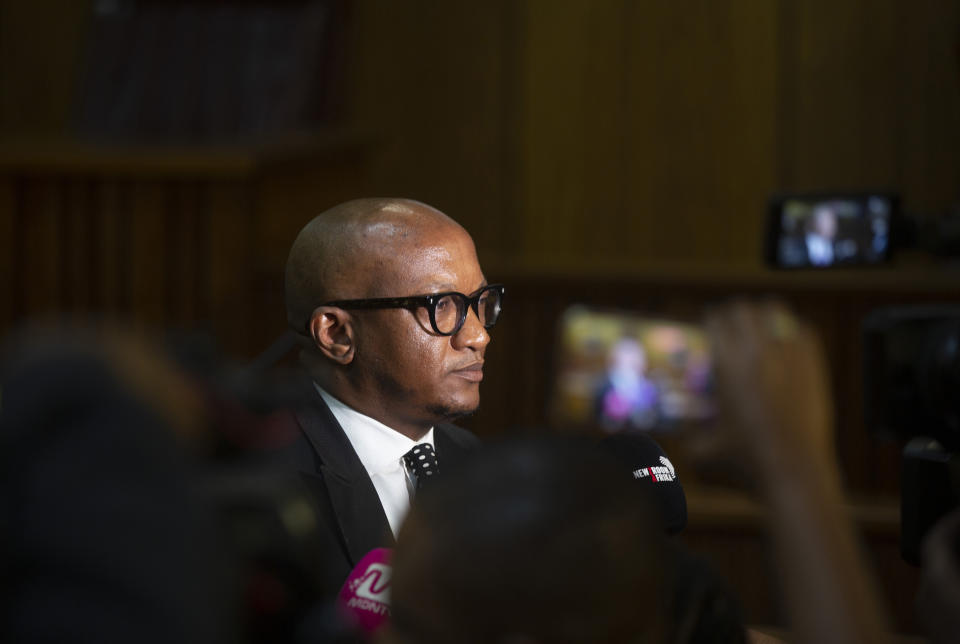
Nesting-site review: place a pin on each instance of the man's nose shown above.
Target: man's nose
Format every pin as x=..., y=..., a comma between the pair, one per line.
x=472, y=334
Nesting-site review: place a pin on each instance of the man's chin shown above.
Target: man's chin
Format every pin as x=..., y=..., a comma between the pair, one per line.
x=449, y=413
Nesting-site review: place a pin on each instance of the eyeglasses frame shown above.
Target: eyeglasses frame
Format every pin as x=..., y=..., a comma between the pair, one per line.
x=428, y=302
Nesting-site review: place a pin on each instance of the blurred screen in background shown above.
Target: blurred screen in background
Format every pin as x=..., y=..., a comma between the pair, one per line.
x=621, y=371
x=826, y=231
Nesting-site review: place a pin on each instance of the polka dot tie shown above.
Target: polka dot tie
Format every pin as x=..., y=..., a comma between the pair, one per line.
x=421, y=461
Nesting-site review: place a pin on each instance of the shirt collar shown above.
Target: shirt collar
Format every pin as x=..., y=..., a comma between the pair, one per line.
x=379, y=447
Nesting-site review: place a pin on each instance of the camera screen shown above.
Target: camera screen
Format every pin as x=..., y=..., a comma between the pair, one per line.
x=911, y=372
x=821, y=232
x=622, y=371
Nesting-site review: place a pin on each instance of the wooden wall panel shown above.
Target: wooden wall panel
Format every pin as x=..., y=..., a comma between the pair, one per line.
x=649, y=129
x=77, y=247
x=160, y=243
x=434, y=81
x=40, y=45
x=231, y=212
x=40, y=254
x=704, y=147
x=574, y=111
x=729, y=530
x=186, y=220
x=9, y=241
x=292, y=194
x=113, y=254
x=929, y=98
x=872, y=98
x=654, y=132
x=842, y=120
x=143, y=218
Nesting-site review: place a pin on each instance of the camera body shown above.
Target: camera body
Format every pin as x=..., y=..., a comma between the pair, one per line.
x=912, y=373
x=912, y=392
x=826, y=230
x=823, y=230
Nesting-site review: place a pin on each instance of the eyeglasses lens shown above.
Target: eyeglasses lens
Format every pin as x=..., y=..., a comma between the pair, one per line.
x=447, y=313
x=489, y=307
x=450, y=310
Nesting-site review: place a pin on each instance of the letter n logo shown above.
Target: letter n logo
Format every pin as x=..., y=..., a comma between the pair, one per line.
x=375, y=583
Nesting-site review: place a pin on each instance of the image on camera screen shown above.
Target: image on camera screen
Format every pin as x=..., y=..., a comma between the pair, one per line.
x=625, y=372
x=823, y=232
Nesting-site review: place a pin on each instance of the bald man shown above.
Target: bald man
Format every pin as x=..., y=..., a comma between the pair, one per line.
x=393, y=312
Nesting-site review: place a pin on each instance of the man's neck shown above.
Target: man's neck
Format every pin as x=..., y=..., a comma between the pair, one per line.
x=362, y=405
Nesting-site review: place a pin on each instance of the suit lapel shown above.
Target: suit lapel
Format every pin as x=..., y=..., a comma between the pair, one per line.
x=356, y=505
x=450, y=452
x=446, y=448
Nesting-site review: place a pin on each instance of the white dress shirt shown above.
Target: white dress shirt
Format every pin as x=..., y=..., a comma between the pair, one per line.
x=381, y=451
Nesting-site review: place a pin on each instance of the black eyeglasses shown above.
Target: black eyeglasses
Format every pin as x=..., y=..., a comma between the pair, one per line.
x=448, y=311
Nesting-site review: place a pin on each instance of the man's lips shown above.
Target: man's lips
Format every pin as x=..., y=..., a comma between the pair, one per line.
x=472, y=372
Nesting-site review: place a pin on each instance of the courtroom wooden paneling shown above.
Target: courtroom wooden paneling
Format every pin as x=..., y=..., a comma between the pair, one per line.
x=649, y=129
x=8, y=243
x=929, y=148
x=871, y=97
x=438, y=81
x=164, y=244
x=83, y=243
x=655, y=131
x=729, y=530
x=40, y=45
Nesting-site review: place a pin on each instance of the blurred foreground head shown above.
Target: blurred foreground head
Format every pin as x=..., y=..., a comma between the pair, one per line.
x=534, y=541
x=106, y=535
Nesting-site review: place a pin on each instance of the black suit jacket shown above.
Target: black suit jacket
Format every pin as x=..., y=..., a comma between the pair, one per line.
x=352, y=520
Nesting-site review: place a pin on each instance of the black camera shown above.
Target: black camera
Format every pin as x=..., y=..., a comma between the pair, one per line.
x=823, y=230
x=912, y=392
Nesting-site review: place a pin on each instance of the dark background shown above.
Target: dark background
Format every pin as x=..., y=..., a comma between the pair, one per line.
x=613, y=152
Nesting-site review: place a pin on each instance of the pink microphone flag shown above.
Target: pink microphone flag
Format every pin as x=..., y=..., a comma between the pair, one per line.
x=365, y=596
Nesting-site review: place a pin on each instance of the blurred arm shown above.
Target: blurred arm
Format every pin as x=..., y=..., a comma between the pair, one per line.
x=773, y=377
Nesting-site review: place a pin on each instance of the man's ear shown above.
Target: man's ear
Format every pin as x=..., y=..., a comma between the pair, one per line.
x=331, y=330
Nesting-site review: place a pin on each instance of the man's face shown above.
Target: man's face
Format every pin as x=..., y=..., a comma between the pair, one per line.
x=412, y=374
x=825, y=222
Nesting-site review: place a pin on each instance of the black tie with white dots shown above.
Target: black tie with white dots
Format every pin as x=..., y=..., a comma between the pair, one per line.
x=421, y=461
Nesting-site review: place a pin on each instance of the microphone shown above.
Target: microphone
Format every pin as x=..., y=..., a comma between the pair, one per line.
x=364, y=599
x=652, y=469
